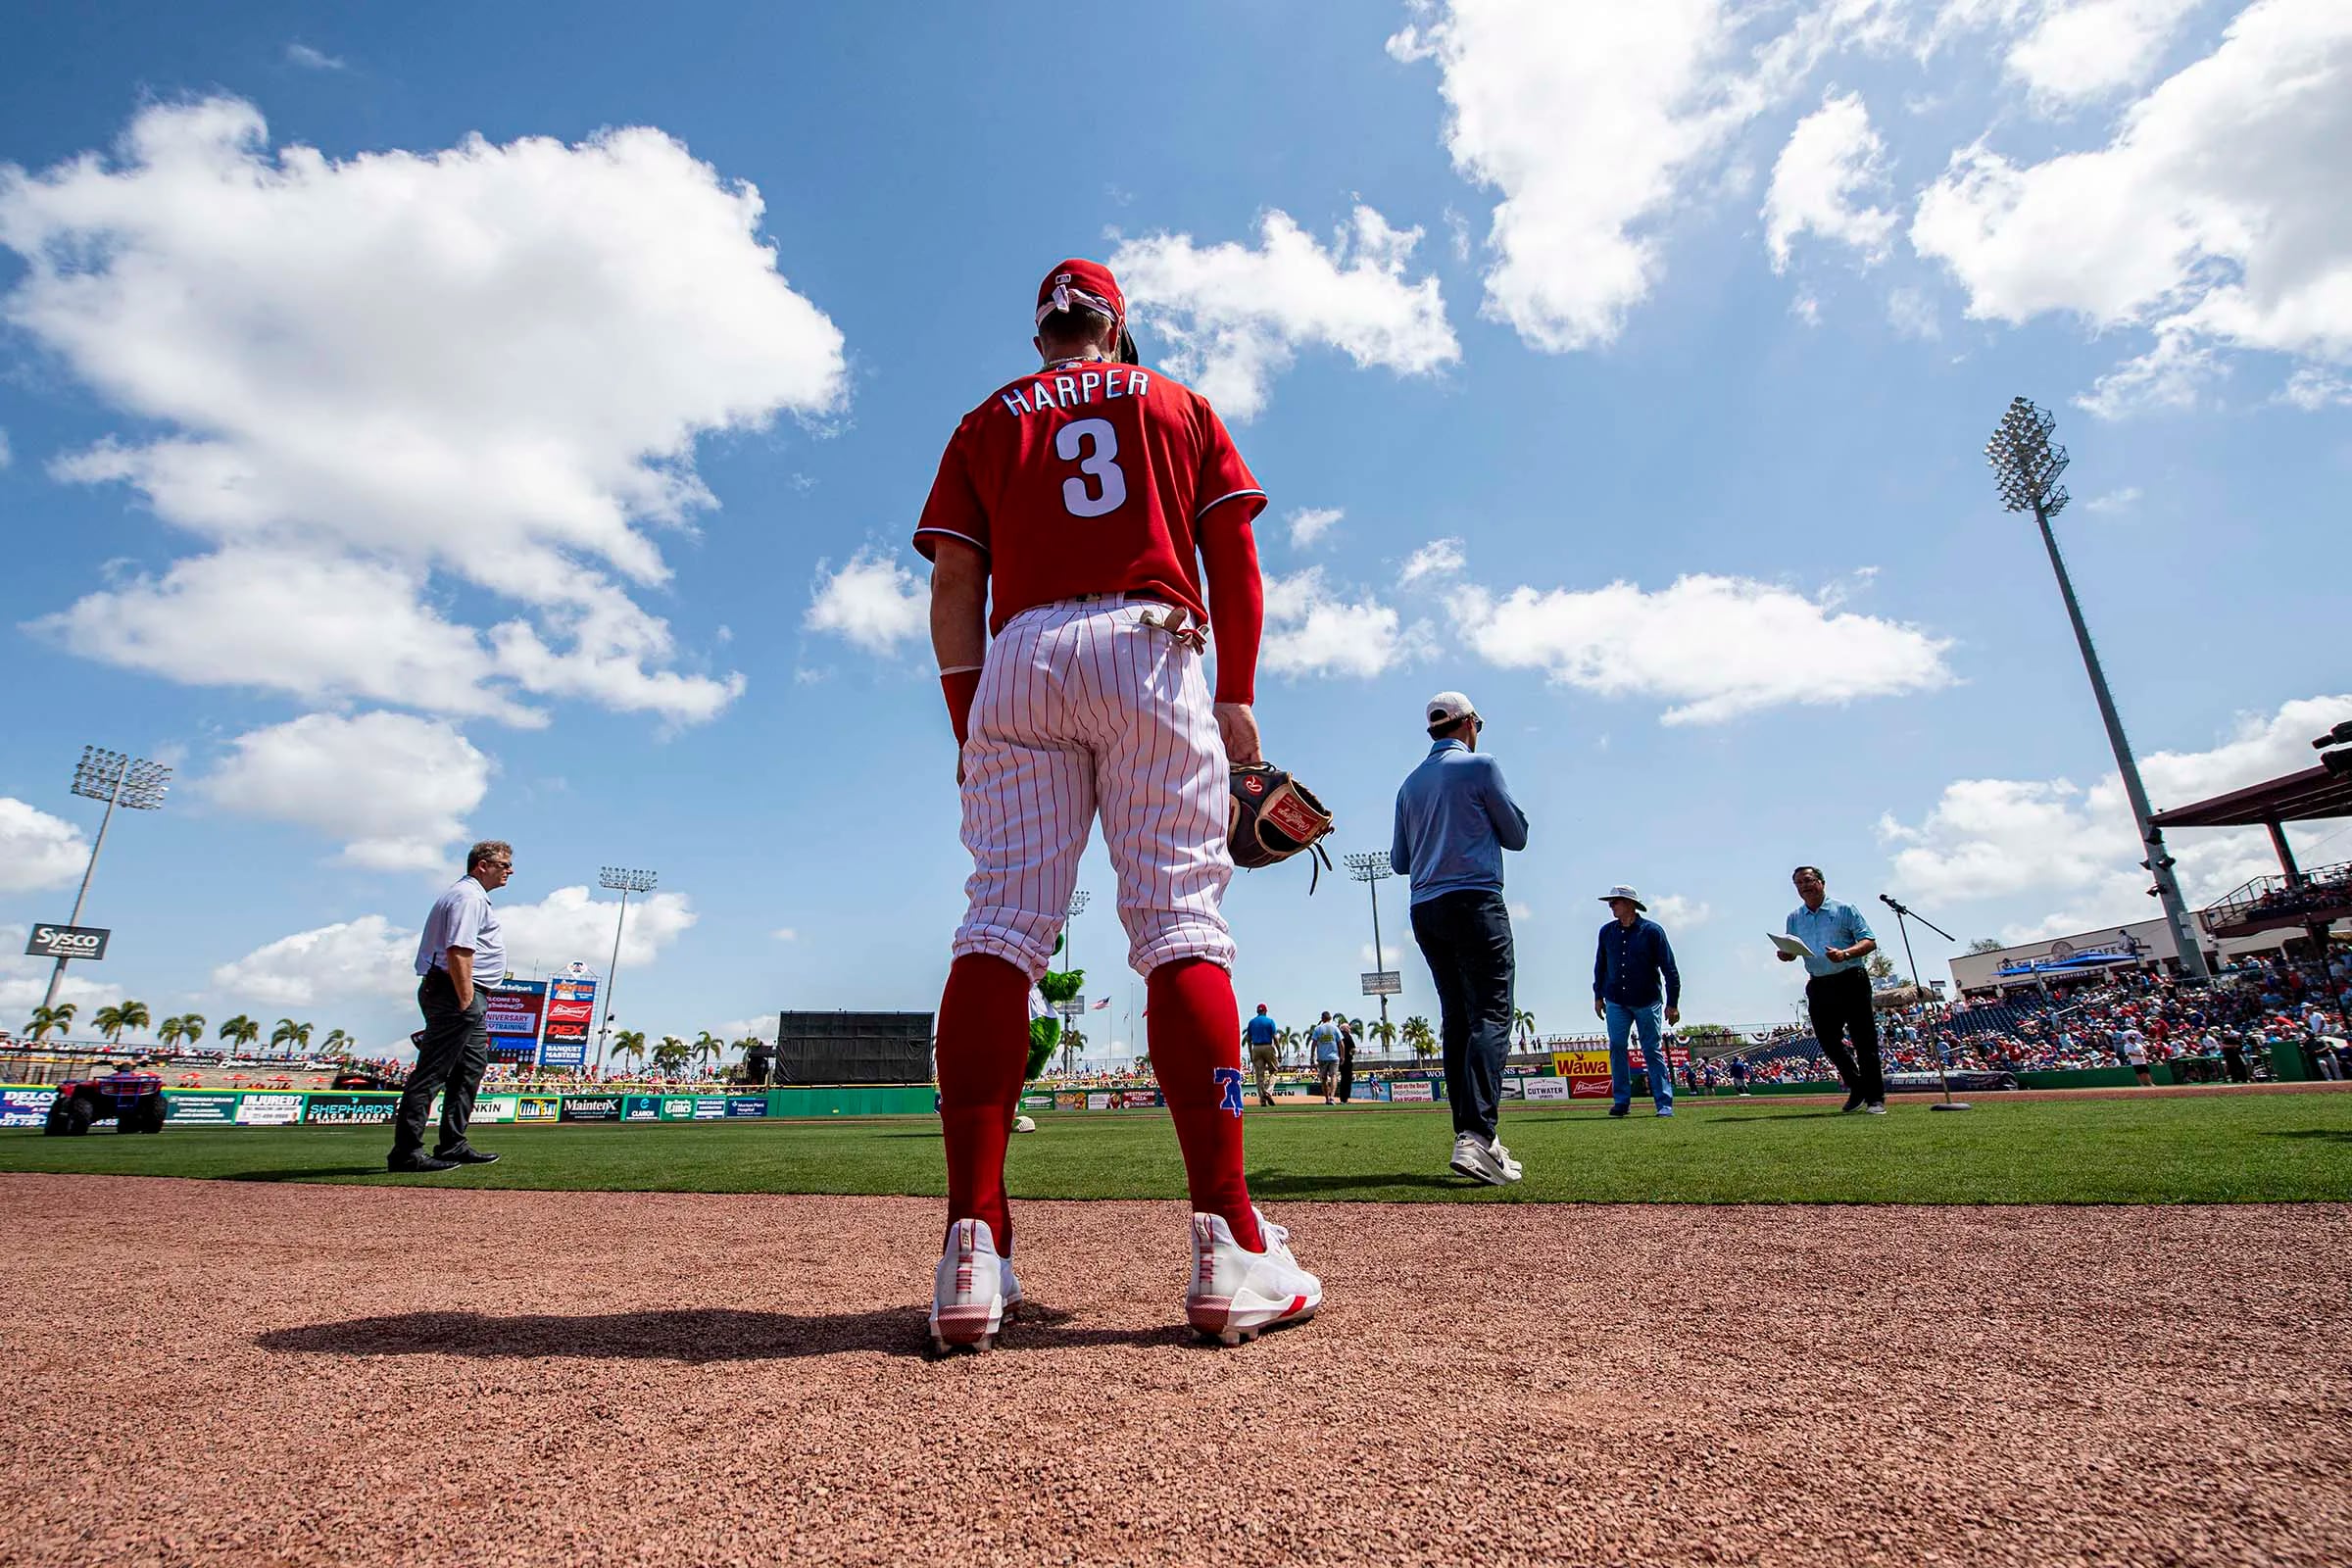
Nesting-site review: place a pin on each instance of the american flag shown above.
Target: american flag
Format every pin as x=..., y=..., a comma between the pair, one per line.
x=1104, y=1002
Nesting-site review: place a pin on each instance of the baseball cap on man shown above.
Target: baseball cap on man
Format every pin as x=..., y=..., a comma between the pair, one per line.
x=1621, y=891
x=1078, y=284
x=1448, y=706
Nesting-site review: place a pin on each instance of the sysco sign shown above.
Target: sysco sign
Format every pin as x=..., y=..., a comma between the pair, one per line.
x=67, y=942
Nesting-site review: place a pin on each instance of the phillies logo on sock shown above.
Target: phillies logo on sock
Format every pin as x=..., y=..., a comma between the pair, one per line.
x=1229, y=1089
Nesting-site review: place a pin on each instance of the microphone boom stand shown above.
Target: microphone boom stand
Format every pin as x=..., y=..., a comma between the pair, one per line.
x=1902, y=913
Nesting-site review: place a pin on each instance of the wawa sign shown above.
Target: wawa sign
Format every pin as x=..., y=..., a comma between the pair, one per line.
x=67, y=942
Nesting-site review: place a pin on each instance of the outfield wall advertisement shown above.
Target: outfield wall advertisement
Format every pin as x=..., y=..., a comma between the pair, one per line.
x=571, y=1018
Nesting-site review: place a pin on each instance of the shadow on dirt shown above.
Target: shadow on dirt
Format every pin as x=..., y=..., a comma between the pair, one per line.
x=304, y=1173
x=694, y=1336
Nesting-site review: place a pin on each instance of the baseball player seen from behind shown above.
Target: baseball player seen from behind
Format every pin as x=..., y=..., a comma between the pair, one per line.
x=1090, y=518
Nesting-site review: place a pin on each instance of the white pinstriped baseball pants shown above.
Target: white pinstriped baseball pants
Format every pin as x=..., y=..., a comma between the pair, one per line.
x=1083, y=709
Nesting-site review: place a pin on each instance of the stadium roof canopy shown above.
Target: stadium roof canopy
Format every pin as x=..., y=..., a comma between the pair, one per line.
x=2305, y=796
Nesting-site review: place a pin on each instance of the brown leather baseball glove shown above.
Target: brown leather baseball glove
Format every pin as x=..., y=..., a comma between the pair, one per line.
x=1273, y=816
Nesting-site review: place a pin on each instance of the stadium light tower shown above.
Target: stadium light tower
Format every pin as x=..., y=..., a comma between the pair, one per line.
x=626, y=883
x=2028, y=467
x=117, y=780
x=1372, y=870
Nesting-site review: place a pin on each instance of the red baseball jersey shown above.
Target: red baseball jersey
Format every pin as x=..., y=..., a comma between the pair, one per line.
x=1087, y=477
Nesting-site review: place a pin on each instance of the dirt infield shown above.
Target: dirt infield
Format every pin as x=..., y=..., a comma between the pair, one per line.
x=283, y=1374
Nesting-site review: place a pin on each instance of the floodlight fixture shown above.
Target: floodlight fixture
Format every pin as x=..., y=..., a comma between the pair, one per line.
x=2027, y=465
x=1078, y=903
x=119, y=779
x=625, y=882
x=1371, y=870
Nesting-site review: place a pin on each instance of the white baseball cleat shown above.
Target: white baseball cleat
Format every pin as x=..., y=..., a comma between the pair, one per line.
x=1023, y=1124
x=971, y=1291
x=1237, y=1294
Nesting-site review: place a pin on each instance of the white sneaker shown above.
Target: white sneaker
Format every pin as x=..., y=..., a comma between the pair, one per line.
x=1502, y=1156
x=1023, y=1124
x=971, y=1291
x=1237, y=1294
x=1477, y=1160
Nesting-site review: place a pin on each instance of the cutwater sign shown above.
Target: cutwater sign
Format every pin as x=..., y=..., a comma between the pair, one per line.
x=67, y=942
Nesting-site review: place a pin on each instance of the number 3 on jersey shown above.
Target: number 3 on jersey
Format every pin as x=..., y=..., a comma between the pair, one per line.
x=1092, y=444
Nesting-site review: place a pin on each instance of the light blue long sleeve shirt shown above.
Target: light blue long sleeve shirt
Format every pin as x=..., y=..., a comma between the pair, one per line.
x=1454, y=818
x=1833, y=925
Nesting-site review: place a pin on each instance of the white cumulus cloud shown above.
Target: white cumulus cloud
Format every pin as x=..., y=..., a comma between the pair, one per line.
x=2218, y=217
x=2076, y=51
x=1597, y=122
x=874, y=602
x=393, y=787
x=1682, y=914
x=1713, y=647
x=488, y=364
x=335, y=964
x=1234, y=317
x=1439, y=557
x=1316, y=629
x=2074, y=851
x=1831, y=160
x=572, y=924
x=1310, y=524
x=312, y=59
x=36, y=849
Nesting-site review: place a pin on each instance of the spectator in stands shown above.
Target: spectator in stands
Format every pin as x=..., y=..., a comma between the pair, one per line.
x=2136, y=1052
x=1837, y=994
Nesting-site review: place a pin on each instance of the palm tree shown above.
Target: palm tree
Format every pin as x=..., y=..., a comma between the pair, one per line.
x=1419, y=1035
x=1286, y=1039
x=1523, y=1023
x=670, y=1056
x=338, y=1044
x=52, y=1020
x=630, y=1043
x=172, y=1031
x=1385, y=1033
x=707, y=1049
x=114, y=1021
x=240, y=1031
x=290, y=1033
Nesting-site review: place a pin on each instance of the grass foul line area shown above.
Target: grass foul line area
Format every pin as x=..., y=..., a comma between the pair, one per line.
x=2254, y=1149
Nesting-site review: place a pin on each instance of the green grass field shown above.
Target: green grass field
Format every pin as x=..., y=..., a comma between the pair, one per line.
x=2254, y=1149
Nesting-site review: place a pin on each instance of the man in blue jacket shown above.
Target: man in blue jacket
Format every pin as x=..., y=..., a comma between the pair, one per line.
x=1454, y=818
x=1631, y=956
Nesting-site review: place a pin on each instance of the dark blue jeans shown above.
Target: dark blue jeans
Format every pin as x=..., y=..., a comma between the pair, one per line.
x=1466, y=939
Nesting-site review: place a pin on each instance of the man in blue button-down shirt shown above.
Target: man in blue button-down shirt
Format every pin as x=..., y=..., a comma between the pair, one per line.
x=1454, y=818
x=1837, y=996
x=1630, y=957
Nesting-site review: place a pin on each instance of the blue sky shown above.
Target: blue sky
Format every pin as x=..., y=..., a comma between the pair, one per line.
x=416, y=428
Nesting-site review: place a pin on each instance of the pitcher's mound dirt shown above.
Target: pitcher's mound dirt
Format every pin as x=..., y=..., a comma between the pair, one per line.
x=266, y=1374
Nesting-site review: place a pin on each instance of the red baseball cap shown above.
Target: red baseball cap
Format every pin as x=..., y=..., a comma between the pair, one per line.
x=1078, y=284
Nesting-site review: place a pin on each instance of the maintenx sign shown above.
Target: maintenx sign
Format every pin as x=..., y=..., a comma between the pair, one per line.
x=67, y=942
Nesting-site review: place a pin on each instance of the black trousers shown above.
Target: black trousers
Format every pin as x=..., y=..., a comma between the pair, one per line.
x=455, y=1054
x=1347, y=1070
x=1466, y=939
x=1840, y=1005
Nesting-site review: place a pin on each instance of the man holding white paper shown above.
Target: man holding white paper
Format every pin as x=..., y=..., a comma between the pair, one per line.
x=1832, y=940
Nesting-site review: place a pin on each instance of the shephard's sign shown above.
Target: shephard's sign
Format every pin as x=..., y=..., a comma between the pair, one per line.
x=67, y=942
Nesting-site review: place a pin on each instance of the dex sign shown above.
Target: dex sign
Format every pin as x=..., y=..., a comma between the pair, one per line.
x=67, y=942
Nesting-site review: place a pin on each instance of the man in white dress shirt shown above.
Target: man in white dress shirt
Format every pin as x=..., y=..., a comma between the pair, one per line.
x=459, y=958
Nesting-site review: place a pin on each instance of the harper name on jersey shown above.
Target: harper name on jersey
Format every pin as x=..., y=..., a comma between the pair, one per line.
x=1069, y=390
x=1088, y=478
